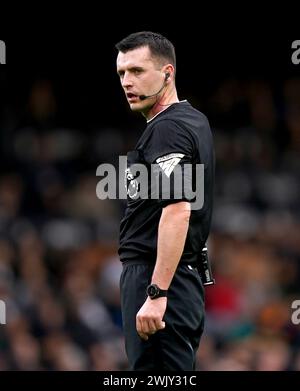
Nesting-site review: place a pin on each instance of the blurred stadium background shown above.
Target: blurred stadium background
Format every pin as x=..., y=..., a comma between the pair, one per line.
x=59, y=270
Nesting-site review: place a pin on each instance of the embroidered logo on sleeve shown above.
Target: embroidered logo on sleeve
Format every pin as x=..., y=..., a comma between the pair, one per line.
x=168, y=162
x=131, y=184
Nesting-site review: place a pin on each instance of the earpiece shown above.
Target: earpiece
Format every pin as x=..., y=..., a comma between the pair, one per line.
x=167, y=76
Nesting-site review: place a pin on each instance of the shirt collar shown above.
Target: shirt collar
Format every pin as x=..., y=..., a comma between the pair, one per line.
x=181, y=101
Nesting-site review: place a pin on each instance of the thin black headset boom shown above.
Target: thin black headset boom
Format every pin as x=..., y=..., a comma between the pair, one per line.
x=143, y=97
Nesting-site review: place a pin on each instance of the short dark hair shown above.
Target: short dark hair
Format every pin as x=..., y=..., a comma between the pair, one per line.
x=159, y=45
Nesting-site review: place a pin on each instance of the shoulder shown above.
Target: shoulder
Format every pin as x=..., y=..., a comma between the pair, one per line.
x=165, y=124
x=171, y=130
x=184, y=118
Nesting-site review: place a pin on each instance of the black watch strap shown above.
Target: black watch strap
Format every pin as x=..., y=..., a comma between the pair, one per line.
x=154, y=292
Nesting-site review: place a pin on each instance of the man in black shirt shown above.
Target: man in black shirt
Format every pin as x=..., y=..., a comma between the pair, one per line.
x=162, y=235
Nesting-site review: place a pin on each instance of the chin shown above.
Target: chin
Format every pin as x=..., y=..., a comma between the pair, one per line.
x=136, y=106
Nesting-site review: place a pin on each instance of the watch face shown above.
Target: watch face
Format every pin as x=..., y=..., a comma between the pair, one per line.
x=152, y=290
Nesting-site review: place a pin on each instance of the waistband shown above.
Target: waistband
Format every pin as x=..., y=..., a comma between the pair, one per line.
x=131, y=262
x=187, y=258
x=136, y=262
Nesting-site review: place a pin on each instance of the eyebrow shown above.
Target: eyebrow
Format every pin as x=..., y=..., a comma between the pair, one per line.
x=131, y=69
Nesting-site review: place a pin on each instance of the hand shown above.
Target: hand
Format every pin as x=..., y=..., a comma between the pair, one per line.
x=149, y=318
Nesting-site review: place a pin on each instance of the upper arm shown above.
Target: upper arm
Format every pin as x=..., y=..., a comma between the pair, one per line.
x=170, y=150
x=168, y=137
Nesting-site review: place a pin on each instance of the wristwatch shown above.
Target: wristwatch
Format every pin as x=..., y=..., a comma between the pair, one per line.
x=153, y=291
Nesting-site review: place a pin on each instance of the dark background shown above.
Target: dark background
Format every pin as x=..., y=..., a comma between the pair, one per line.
x=62, y=113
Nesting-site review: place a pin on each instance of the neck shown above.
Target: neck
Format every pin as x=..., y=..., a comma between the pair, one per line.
x=161, y=103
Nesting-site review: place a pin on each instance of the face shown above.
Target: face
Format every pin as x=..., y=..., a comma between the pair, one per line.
x=140, y=74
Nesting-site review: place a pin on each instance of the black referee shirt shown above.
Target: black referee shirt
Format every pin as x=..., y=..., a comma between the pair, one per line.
x=177, y=136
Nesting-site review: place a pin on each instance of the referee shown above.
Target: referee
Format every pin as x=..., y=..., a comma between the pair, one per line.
x=161, y=239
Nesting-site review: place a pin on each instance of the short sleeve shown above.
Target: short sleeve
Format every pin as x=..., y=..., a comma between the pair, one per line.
x=168, y=137
x=170, y=152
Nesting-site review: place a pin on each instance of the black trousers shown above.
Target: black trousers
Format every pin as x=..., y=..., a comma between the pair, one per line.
x=173, y=348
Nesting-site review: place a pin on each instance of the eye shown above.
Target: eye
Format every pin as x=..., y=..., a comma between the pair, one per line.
x=137, y=71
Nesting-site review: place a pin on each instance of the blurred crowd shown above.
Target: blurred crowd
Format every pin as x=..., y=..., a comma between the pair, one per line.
x=59, y=269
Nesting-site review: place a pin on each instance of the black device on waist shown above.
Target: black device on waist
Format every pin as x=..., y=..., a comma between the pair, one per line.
x=204, y=268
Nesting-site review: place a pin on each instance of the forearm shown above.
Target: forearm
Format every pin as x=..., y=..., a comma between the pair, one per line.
x=172, y=232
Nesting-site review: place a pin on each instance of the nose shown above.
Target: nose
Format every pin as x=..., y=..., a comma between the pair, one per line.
x=126, y=81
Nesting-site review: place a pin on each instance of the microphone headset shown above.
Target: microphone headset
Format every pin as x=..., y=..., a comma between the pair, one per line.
x=143, y=97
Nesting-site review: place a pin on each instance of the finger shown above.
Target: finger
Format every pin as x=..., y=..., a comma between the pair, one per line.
x=147, y=327
x=139, y=328
x=152, y=326
x=160, y=324
x=145, y=337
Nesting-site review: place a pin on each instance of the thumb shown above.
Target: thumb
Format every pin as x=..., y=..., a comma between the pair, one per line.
x=162, y=325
